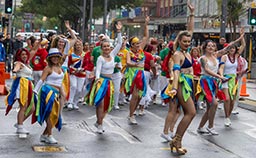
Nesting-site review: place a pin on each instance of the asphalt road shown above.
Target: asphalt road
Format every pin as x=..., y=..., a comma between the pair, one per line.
x=79, y=138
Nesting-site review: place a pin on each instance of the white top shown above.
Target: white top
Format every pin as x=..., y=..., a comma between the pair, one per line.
x=54, y=79
x=230, y=68
x=211, y=66
x=107, y=67
x=66, y=50
x=25, y=71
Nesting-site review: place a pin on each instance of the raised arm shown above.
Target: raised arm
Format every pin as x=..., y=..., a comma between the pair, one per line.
x=243, y=44
x=119, y=40
x=190, y=27
x=146, y=34
x=72, y=34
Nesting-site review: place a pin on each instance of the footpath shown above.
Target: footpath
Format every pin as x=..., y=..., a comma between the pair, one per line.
x=250, y=101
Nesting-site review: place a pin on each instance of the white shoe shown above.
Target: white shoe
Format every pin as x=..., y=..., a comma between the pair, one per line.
x=116, y=107
x=100, y=129
x=227, y=122
x=202, y=130
x=132, y=120
x=212, y=131
x=70, y=106
x=167, y=137
x=43, y=138
x=141, y=112
x=76, y=107
x=51, y=140
x=21, y=130
x=235, y=112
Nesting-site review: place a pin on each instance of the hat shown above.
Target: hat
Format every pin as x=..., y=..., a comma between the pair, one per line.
x=54, y=52
x=18, y=34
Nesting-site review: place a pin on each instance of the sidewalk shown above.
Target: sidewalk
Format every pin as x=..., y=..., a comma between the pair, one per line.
x=249, y=102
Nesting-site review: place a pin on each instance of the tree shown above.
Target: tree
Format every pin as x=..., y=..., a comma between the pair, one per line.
x=72, y=9
x=235, y=9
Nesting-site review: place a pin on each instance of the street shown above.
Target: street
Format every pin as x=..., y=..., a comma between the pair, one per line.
x=79, y=138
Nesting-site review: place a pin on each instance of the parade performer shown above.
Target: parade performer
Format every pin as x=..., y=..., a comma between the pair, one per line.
x=182, y=87
x=229, y=70
x=209, y=86
x=22, y=88
x=102, y=91
x=48, y=91
x=77, y=75
x=135, y=81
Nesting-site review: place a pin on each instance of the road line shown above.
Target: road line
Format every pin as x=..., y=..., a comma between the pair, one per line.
x=156, y=116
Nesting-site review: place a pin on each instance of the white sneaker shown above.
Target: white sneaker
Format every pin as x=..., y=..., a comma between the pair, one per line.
x=70, y=106
x=132, y=120
x=116, y=107
x=100, y=129
x=141, y=112
x=212, y=131
x=202, y=130
x=76, y=107
x=51, y=140
x=21, y=130
x=235, y=112
x=43, y=138
x=227, y=122
x=167, y=137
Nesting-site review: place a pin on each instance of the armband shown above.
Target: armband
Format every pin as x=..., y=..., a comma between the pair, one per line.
x=176, y=67
x=221, y=63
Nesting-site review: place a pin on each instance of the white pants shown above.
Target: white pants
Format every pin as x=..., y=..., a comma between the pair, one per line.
x=147, y=98
x=116, y=78
x=87, y=82
x=76, y=86
x=36, y=76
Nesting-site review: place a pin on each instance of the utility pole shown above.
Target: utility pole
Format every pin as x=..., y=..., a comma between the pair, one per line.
x=105, y=16
x=83, y=24
x=91, y=12
x=223, y=18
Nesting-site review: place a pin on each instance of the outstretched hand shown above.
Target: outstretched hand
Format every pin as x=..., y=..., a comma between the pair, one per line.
x=147, y=19
x=190, y=6
x=119, y=26
x=67, y=25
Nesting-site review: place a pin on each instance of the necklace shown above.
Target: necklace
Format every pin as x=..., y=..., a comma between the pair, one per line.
x=232, y=60
x=106, y=56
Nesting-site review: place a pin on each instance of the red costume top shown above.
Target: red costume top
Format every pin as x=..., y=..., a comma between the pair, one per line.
x=38, y=61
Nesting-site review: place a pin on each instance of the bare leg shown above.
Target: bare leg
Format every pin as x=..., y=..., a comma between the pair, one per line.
x=170, y=116
x=177, y=114
x=48, y=129
x=189, y=113
x=134, y=101
x=226, y=103
x=100, y=113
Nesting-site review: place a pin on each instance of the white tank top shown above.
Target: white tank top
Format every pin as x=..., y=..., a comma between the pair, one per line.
x=25, y=71
x=54, y=79
x=230, y=68
x=212, y=67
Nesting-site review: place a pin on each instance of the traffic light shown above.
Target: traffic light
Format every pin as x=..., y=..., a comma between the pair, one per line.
x=8, y=6
x=5, y=21
x=252, y=16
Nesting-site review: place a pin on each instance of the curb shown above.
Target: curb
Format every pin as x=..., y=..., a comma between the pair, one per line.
x=248, y=104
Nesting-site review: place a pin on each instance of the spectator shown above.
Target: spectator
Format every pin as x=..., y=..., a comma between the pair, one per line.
x=18, y=43
x=8, y=45
x=2, y=50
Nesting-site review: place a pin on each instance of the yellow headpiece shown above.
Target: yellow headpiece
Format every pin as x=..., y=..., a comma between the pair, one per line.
x=135, y=40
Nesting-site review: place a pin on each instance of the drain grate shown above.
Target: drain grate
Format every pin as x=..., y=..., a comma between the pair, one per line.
x=49, y=149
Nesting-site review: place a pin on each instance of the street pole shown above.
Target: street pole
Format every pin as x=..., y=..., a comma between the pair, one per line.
x=91, y=12
x=105, y=16
x=83, y=25
x=250, y=53
x=223, y=18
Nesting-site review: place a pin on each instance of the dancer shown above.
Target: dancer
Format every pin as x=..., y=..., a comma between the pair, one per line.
x=135, y=81
x=101, y=94
x=209, y=82
x=48, y=91
x=182, y=87
x=229, y=70
x=22, y=88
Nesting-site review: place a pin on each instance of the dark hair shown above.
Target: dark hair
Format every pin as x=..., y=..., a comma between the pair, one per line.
x=148, y=48
x=32, y=39
x=205, y=43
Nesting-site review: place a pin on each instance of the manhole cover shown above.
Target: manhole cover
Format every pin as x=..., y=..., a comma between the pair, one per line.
x=49, y=149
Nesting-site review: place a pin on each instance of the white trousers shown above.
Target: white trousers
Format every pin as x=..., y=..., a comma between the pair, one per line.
x=76, y=86
x=116, y=78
